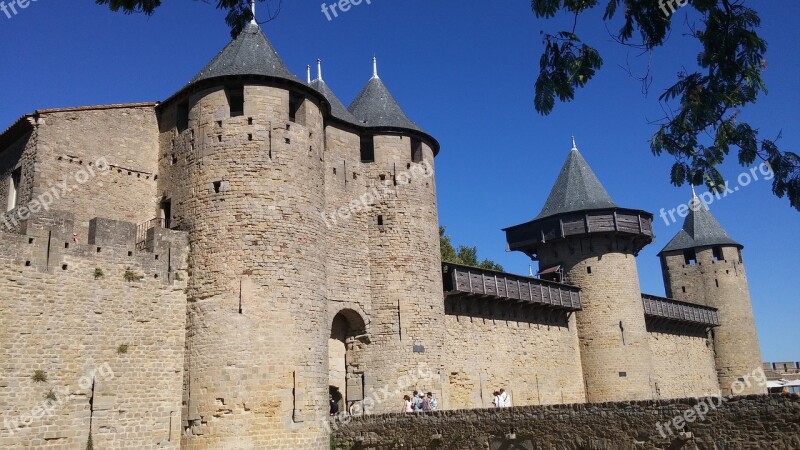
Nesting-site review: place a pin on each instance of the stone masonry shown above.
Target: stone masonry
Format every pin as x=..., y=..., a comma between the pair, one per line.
x=203, y=272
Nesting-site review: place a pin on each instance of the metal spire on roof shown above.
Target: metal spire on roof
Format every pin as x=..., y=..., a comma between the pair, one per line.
x=574, y=146
x=319, y=69
x=694, y=203
x=253, y=9
x=308, y=74
x=375, y=67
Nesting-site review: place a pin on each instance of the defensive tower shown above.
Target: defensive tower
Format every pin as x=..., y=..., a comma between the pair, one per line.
x=703, y=265
x=583, y=238
x=242, y=173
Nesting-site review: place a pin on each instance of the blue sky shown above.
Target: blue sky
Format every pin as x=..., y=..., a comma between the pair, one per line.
x=464, y=72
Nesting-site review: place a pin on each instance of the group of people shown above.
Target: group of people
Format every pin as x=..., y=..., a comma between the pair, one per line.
x=419, y=402
x=501, y=399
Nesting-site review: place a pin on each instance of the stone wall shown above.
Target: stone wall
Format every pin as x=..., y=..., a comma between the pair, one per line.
x=103, y=324
x=74, y=145
x=683, y=364
x=531, y=353
x=749, y=422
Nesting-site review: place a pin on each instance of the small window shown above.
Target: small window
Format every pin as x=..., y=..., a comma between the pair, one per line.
x=683, y=289
x=690, y=257
x=380, y=220
x=182, y=117
x=623, y=374
x=236, y=100
x=295, y=105
x=416, y=150
x=367, y=149
x=589, y=269
x=717, y=253
x=217, y=186
x=13, y=188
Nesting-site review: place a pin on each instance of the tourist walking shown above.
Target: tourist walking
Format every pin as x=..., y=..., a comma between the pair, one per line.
x=504, y=399
x=407, y=408
x=432, y=401
x=416, y=402
x=496, y=399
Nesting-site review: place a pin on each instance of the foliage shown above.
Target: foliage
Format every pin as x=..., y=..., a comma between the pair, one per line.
x=122, y=349
x=39, y=376
x=98, y=273
x=239, y=12
x=131, y=276
x=701, y=123
x=50, y=395
x=89, y=443
x=465, y=255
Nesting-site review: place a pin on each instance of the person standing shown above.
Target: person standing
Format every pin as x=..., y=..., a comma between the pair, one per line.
x=334, y=405
x=496, y=399
x=504, y=399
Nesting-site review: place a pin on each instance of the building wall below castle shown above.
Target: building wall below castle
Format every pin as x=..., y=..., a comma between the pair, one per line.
x=111, y=349
x=683, y=365
x=532, y=354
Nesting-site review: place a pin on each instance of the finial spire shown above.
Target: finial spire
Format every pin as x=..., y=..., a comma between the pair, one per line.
x=694, y=194
x=253, y=9
x=308, y=74
x=574, y=145
x=375, y=67
x=319, y=69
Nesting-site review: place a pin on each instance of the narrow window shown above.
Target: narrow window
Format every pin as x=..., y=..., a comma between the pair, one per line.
x=683, y=289
x=13, y=188
x=295, y=105
x=217, y=186
x=690, y=257
x=182, y=117
x=717, y=253
x=380, y=220
x=717, y=282
x=589, y=269
x=416, y=150
x=236, y=100
x=367, y=149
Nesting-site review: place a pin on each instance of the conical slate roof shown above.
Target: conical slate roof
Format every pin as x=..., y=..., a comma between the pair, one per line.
x=576, y=189
x=337, y=107
x=375, y=106
x=250, y=53
x=700, y=229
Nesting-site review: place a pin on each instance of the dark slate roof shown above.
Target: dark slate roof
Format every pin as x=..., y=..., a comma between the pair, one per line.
x=337, y=107
x=250, y=53
x=576, y=189
x=700, y=229
x=376, y=107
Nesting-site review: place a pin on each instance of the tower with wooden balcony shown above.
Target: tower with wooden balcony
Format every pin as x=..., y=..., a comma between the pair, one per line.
x=581, y=237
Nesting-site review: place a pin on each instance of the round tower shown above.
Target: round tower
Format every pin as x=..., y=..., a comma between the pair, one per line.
x=583, y=238
x=703, y=265
x=405, y=261
x=243, y=175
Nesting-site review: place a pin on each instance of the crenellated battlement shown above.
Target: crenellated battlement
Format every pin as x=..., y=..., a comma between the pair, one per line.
x=49, y=243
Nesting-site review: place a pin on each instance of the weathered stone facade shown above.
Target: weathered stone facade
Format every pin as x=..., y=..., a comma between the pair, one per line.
x=290, y=250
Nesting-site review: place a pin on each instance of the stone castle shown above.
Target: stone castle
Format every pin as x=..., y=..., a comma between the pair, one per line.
x=203, y=272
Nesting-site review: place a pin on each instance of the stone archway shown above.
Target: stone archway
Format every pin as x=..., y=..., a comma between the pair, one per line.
x=345, y=358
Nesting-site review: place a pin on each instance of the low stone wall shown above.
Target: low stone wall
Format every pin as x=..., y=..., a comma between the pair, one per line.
x=750, y=422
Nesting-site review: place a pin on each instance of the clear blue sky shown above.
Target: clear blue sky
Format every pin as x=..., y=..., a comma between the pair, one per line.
x=465, y=72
